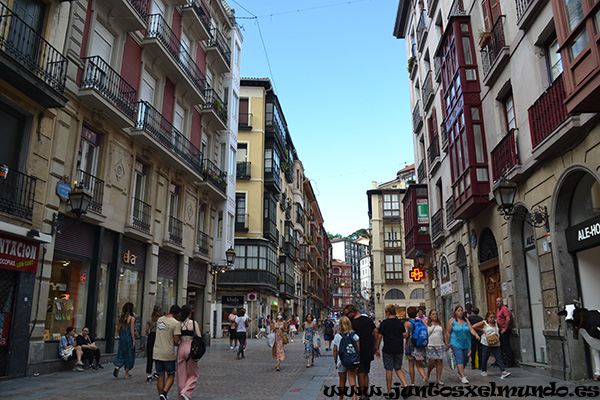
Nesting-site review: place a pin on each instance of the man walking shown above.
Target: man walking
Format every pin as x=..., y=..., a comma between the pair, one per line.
x=168, y=331
x=393, y=332
x=503, y=320
x=233, y=342
x=366, y=331
x=89, y=348
x=475, y=344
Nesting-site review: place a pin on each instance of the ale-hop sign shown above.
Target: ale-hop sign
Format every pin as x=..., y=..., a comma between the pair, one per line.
x=18, y=254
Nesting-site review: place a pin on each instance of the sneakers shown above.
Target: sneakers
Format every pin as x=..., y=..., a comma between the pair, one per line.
x=184, y=397
x=80, y=363
x=464, y=380
x=78, y=368
x=163, y=397
x=99, y=366
x=230, y=347
x=483, y=373
x=92, y=366
x=256, y=336
x=504, y=374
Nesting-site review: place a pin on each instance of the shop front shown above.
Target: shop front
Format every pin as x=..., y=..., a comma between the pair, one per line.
x=197, y=271
x=168, y=271
x=228, y=304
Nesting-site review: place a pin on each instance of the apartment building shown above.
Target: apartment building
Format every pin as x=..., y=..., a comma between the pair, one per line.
x=350, y=252
x=341, y=277
x=136, y=104
x=504, y=105
x=393, y=281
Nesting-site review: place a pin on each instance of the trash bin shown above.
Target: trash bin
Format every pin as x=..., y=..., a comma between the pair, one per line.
x=206, y=337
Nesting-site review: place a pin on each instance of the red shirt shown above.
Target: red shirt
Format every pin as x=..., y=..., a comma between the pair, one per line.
x=501, y=314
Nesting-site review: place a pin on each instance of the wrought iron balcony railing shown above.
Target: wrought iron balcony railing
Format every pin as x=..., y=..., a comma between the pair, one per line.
x=433, y=152
x=437, y=224
x=417, y=118
x=504, y=155
x=449, y=211
x=140, y=216
x=214, y=175
x=201, y=11
x=202, y=242
x=175, y=230
x=153, y=122
x=95, y=186
x=548, y=112
x=437, y=68
x=141, y=6
x=457, y=9
x=159, y=29
x=427, y=90
x=421, y=172
x=497, y=42
x=25, y=46
x=17, y=194
x=98, y=75
x=444, y=136
x=243, y=170
x=421, y=27
x=214, y=102
x=522, y=6
x=220, y=42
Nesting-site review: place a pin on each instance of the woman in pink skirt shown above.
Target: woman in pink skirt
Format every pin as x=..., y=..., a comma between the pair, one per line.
x=187, y=369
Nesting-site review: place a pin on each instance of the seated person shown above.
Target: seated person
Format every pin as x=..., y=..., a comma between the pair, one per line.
x=89, y=348
x=67, y=344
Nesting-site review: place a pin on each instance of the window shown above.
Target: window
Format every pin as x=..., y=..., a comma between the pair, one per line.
x=244, y=116
x=234, y=106
x=509, y=113
x=392, y=235
x=555, y=66
x=491, y=13
x=139, y=213
x=236, y=55
x=393, y=266
x=220, y=225
x=417, y=294
x=201, y=216
x=394, y=294
x=391, y=205
x=173, y=200
x=574, y=13
x=255, y=257
x=89, y=149
x=271, y=161
x=231, y=161
x=240, y=211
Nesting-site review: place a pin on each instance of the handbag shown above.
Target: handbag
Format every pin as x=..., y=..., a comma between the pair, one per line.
x=67, y=353
x=271, y=339
x=492, y=339
x=316, y=340
x=286, y=338
x=451, y=359
x=198, y=347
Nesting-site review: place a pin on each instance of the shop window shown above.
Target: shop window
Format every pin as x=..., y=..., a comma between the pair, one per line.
x=130, y=289
x=165, y=293
x=102, y=302
x=67, y=297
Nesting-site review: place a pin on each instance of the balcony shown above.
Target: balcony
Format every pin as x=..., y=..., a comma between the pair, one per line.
x=140, y=216
x=275, y=128
x=548, y=112
x=431, y=4
x=450, y=221
x=471, y=191
x=457, y=9
x=245, y=122
x=272, y=178
x=202, y=243
x=437, y=227
x=215, y=110
x=249, y=278
x=421, y=178
x=218, y=50
x=104, y=89
x=528, y=11
x=135, y=12
x=95, y=186
x=243, y=169
x=416, y=220
x=444, y=136
x=427, y=91
x=162, y=42
x=417, y=118
x=437, y=68
x=433, y=154
x=215, y=178
x=17, y=194
x=175, y=229
x=494, y=55
x=422, y=30
x=29, y=63
x=242, y=222
x=505, y=155
x=154, y=130
x=198, y=12
x=270, y=230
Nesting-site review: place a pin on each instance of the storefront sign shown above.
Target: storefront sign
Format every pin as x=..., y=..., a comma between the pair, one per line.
x=233, y=301
x=18, y=254
x=584, y=235
x=446, y=288
x=422, y=211
x=129, y=258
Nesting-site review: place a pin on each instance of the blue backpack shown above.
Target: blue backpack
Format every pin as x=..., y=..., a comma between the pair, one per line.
x=419, y=335
x=348, y=351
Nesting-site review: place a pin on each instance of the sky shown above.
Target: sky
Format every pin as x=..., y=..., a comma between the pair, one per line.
x=340, y=76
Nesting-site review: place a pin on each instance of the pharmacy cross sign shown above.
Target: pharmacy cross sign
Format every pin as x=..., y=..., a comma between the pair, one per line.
x=416, y=274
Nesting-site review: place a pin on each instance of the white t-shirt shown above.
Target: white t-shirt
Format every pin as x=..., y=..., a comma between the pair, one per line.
x=241, y=323
x=488, y=330
x=336, y=342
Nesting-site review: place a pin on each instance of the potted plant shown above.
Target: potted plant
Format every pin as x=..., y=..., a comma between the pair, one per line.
x=411, y=62
x=484, y=38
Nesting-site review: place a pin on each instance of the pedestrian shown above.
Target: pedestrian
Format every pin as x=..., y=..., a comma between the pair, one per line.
x=151, y=332
x=503, y=319
x=90, y=351
x=475, y=318
x=459, y=339
x=187, y=367
x=69, y=350
x=490, y=343
x=468, y=310
x=293, y=324
x=261, y=328
x=309, y=329
x=233, y=341
x=126, y=350
x=328, y=326
x=366, y=331
x=421, y=315
x=343, y=372
x=414, y=354
x=168, y=334
x=280, y=330
x=436, y=346
x=242, y=322
x=393, y=333
x=268, y=325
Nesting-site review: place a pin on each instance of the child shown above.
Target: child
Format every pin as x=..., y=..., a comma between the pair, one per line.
x=345, y=328
x=490, y=343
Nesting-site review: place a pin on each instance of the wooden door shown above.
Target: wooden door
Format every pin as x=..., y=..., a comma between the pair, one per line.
x=493, y=287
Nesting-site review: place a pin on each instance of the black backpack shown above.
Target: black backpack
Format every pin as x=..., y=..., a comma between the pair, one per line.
x=348, y=351
x=198, y=347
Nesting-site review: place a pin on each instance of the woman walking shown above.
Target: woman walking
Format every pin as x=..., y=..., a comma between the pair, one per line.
x=414, y=354
x=436, y=346
x=490, y=343
x=280, y=330
x=328, y=326
x=242, y=322
x=151, y=332
x=126, y=350
x=293, y=327
x=187, y=368
x=458, y=337
x=343, y=372
x=310, y=350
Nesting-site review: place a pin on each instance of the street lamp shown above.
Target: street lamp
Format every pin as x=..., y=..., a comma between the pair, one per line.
x=79, y=201
x=298, y=287
x=505, y=192
x=215, y=270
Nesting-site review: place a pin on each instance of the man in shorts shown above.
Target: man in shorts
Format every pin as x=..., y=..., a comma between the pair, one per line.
x=168, y=331
x=392, y=331
x=366, y=331
x=233, y=342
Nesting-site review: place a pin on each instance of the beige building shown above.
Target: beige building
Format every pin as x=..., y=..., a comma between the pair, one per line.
x=492, y=99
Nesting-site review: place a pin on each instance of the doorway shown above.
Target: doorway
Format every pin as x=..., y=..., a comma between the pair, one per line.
x=490, y=268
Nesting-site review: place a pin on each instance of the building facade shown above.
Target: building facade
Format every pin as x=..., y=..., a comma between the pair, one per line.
x=341, y=277
x=351, y=252
x=499, y=93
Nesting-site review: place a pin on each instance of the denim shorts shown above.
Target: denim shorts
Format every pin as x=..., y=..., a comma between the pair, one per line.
x=460, y=355
x=165, y=366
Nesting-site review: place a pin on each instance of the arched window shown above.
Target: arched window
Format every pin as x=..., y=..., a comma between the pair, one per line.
x=417, y=294
x=395, y=294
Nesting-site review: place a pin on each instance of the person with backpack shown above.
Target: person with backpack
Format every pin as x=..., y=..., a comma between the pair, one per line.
x=346, y=353
x=416, y=345
x=392, y=331
x=187, y=367
x=367, y=332
x=458, y=335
